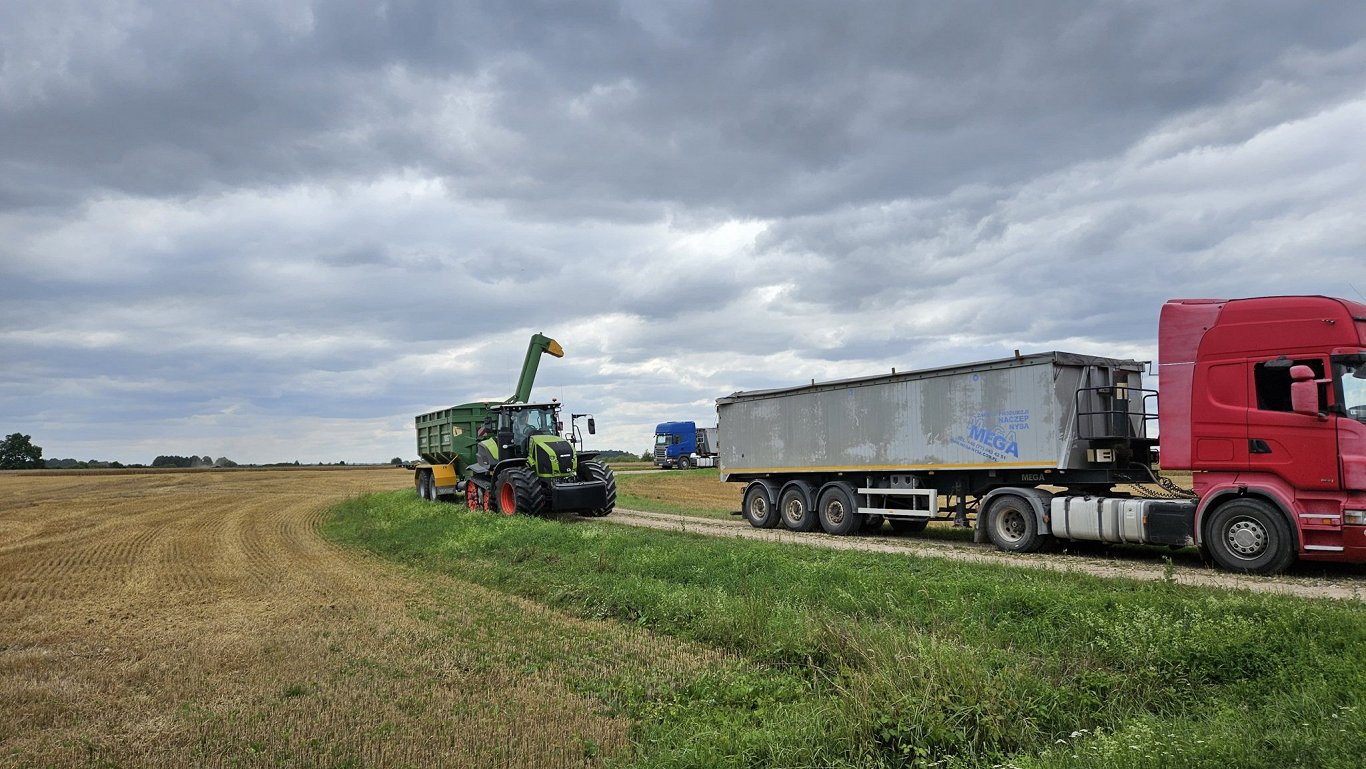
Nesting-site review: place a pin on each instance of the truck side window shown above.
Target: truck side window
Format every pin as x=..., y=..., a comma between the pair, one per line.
x=1273, y=383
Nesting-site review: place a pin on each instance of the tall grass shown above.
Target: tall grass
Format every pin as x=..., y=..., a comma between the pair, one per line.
x=851, y=659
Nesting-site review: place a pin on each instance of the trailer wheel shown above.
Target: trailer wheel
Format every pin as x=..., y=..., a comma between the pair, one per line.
x=758, y=509
x=519, y=492
x=837, y=510
x=426, y=486
x=909, y=525
x=1011, y=526
x=597, y=471
x=683, y=463
x=1250, y=536
x=796, y=514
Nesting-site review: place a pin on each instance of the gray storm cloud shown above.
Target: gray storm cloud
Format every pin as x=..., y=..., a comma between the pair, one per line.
x=276, y=231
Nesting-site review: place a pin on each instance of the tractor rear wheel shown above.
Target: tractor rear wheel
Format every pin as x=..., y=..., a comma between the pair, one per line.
x=519, y=491
x=478, y=498
x=590, y=470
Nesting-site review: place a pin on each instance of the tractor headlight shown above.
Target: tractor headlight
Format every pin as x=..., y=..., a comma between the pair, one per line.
x=1354, y=517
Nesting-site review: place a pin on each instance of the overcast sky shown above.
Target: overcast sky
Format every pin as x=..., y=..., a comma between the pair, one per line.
x=276, y=231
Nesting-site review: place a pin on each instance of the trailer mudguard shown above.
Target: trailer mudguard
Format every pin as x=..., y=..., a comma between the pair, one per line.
x=808, y=490
x=445, y=478
x=1038, y=500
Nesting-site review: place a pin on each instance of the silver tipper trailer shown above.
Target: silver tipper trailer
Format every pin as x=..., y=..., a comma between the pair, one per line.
x=847, y=454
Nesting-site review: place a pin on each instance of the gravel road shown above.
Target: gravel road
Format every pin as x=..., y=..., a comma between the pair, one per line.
x=1309, y=581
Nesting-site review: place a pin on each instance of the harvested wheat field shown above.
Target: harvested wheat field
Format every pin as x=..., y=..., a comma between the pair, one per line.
x=197, y=618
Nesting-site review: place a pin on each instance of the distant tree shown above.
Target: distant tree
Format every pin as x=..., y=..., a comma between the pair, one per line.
x=17, y=452
x=396, y=461
x=174, y=460
x=224, y=462
x=647, y=457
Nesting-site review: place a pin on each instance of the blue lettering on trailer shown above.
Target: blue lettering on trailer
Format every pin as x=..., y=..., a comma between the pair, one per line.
x=992, y=434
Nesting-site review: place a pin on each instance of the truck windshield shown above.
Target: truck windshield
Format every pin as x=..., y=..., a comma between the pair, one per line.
x=661, y=440
x=1351, y=376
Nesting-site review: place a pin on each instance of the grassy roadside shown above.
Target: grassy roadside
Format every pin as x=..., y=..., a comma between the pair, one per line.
x=848, y=659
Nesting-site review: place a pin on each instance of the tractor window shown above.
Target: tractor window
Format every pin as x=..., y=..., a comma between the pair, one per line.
x=533, y=421
x=1273, y=382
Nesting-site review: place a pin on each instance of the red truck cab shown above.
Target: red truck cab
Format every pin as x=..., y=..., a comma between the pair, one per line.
x=1264, y=400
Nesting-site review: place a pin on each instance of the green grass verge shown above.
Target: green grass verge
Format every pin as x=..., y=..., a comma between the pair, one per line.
x=870, y=660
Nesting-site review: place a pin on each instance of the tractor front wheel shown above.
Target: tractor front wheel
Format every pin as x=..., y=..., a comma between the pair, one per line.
x=592, y=470
x=519, y=491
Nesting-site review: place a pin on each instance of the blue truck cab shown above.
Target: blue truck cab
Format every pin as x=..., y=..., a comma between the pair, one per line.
x=684, y=445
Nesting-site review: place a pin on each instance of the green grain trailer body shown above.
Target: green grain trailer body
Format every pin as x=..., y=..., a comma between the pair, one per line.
x=448, y=436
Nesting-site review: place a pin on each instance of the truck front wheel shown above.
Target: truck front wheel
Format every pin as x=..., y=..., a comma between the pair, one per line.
x=1011, y=526
x=1250, y=536
x=683, y=463
x=519, y=491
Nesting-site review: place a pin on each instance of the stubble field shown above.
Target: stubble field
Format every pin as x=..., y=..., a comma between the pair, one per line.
x=176, y=619
x=210, y=618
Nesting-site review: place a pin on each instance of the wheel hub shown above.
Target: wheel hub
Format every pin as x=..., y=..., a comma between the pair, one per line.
x=1246, y=539
x=1011, y=526
x=834, y=512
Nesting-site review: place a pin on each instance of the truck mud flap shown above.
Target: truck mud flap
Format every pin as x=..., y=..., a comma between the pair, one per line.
x=588, y=495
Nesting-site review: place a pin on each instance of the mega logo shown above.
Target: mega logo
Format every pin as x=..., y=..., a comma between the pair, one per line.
x=994, y=440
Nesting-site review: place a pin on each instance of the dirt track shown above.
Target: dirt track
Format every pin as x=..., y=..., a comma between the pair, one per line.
x=1347, y=582
x=184, y=619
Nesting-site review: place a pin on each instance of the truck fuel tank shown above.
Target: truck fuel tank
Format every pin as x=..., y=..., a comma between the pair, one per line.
x=1117, y=519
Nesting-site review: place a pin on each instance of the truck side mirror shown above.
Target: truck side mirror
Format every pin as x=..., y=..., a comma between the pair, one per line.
x=1304, y=391
x=592, y=427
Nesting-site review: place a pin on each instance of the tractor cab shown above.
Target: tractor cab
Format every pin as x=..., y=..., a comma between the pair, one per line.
x=518, y=422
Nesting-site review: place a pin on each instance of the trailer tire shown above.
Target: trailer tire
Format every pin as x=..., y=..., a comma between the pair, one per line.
x=909, y=525
x=683, y=463
x=1250, y=536
x=838, y=510
x=797, y=515
x=520, y=492
x=426, y=486
x=1011, y=526
x=758, y=509
x=590, y=470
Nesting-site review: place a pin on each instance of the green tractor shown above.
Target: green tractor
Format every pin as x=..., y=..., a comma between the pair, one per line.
x=526, y=466
x=509, y=457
